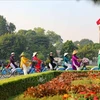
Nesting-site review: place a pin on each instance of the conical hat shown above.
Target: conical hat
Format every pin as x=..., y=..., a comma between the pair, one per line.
x=22, y=54
x=34, y=54
x=65, y=54
x=74, y=52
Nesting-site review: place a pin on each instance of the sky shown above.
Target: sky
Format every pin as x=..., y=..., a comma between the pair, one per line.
x=71, y=19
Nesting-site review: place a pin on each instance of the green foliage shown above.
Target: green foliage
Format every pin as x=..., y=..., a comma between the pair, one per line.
x=20, y=97
x=26, y=32
x=58, y=45
x=76, y=43
x=30, y=32
x=25, y=41
x=55, y=39
x=5, y=27
x=41, y=40
x=41, y=56
x=68, y=47
x=37, y=42
x=87, y=48
x=39, y=31
x=83, y=42
x=22, y=32
x=11, y=28
x=89, y=51
x=96, y=46
x=40, y=44
x=10, y=43
x=15, y=86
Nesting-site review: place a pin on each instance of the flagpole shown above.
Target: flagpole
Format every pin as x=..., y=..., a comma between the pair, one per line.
x=99, y=33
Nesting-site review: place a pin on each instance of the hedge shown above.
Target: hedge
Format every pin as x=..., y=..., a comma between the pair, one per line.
x=16, y=85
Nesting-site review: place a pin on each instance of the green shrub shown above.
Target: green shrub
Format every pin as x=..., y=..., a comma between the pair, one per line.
x=21, y=97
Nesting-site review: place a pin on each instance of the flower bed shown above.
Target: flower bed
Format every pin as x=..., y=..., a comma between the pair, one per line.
x=70, y=84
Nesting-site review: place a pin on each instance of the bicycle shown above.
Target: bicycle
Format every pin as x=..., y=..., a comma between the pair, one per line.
x=5, y=72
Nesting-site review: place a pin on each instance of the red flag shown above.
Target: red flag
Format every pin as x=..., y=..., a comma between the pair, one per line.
x=98, y=22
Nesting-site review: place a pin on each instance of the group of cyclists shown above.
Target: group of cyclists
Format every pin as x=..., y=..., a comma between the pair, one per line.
x=74, y=63
x=78, y=64
x=25, y=62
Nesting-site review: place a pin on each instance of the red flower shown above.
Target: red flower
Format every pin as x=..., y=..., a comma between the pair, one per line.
x=92, y=93
x=95, y=98
x=82, y=92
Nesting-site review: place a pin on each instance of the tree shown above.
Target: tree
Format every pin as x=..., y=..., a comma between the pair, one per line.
x=83, y=42
x=96, y=46
x=68, y=47
x=58, y=45
x=22, y=32
x=30, y=32
x=55, y=39
x=87, y=51
x=41, y=40
x=76, y=43
x=11, y=28
x=11, y=43
x=5, y=27
x=37, y=42
x=39, y=31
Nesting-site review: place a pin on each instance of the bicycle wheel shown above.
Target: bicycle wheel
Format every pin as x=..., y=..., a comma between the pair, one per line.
x=6, y=72
x=0, y=73
x=15, y=73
